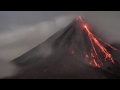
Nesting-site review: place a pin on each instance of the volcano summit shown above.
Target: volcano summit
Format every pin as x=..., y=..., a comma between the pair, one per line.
x=74, y=52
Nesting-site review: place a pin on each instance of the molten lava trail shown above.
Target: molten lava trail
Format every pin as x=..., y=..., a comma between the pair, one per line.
x=94, y=41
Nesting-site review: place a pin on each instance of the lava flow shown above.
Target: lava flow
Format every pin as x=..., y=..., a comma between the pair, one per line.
x=94, y=60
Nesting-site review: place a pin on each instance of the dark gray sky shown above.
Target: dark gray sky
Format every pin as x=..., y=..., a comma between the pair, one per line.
x=20, y=31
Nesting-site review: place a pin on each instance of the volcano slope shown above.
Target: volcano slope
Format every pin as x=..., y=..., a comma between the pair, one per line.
x=71, y=53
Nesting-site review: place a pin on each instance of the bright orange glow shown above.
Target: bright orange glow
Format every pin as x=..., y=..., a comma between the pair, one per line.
x=94, y=55
x=97, y=65
x=107, y=44
x=93, y=39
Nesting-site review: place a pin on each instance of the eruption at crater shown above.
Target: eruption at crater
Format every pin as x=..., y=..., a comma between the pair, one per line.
x=65, y=53
x=93, y=58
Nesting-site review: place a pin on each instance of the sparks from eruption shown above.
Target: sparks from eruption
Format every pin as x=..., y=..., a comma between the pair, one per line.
x=94, y=55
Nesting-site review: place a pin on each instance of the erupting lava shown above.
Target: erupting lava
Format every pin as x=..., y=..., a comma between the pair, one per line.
x=94, y=60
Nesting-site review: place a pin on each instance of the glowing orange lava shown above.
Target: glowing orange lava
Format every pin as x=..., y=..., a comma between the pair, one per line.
x=94, y=41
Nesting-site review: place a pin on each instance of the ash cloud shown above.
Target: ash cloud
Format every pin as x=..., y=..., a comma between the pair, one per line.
x=7, y=69
x=22, y=39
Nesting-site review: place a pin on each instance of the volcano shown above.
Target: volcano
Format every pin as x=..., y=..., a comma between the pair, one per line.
x=73, y=52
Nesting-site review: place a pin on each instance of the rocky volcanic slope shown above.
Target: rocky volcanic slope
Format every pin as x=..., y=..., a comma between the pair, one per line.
x=62, y=57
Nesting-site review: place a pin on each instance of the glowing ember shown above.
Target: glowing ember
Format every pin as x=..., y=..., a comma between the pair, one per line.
x=97, y=65
x=79, y=17
x=94, y=55
x=87, y=56
x=72, y=52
